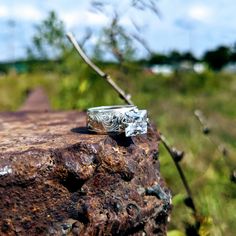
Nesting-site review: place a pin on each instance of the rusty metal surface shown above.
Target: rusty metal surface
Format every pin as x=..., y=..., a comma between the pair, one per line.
x=56, y=178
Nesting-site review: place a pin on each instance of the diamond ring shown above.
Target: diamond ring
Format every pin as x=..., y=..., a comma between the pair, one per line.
x=118, y=119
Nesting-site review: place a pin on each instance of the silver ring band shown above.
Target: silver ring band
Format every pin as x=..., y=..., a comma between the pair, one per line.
x=117, y=119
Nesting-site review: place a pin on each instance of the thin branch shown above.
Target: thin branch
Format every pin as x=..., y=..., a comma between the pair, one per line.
x=110, y=81
x=87, y=36
x=143, y=42
x=176, y=158
x=174, y=153
x=206, y=131
x=98, y=6
x=147, y=4
x=220, y=148
x=112, y=33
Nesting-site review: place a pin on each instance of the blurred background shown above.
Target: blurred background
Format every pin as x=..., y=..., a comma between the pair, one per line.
x=174, y=57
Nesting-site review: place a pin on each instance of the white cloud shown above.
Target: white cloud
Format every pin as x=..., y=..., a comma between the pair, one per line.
x=4, y=11
x=21, y=12
x=75, y=18
x=27, y=12
x=200, y=13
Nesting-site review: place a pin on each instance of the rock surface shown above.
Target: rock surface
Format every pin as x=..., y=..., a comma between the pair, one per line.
x=56, y=178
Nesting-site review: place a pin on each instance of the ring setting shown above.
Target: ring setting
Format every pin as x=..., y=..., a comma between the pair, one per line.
x=117, y=119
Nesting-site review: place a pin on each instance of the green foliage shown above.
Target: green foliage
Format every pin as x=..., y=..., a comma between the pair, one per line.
x=49, y=40
x=115, y=40
x=217, y=59
x=170, y=101
x=174, y=58
x=157, y=58
x=175, y=233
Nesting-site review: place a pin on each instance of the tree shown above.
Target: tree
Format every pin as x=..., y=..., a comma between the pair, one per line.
x=233, y=53
x=49, y=40
x=188, y=56
x=115, y=39
x=174, y=57
x=157, y=58
x=218, y=58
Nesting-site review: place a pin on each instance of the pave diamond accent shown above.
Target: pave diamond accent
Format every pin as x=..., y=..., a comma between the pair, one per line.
x=136, y=122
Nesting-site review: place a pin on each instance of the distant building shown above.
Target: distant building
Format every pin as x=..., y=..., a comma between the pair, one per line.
x=183, y=66
x=199, y=67
x=162, y=69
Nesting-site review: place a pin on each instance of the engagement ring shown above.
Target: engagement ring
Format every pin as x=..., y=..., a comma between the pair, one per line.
x=118, y=119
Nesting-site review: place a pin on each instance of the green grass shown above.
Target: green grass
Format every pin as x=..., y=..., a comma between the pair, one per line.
x=171, y=102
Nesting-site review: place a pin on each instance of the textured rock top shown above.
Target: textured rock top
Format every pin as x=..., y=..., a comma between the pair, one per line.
x=56, y=178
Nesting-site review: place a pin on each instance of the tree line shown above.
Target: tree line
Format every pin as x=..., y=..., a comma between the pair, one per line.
x=50, y=44
x=216, y=58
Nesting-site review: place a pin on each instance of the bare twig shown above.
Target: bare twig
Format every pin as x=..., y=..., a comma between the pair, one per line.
x=113, y=32
x=147, y=4
x=125, y=97
x=206, y=131
x=174, y=153
x=205, y=128
x=176, y=157
x=137, y=36
x=220, y=148
x=87, y=36
x=143, y=42
x=98, y=6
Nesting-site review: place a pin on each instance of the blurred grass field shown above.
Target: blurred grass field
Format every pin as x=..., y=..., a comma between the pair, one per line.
x=171, y=102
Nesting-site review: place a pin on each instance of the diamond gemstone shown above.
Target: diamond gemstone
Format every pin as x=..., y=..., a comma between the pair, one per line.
x=136, y=122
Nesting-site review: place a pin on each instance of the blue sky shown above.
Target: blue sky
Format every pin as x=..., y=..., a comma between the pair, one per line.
x=184, y=25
